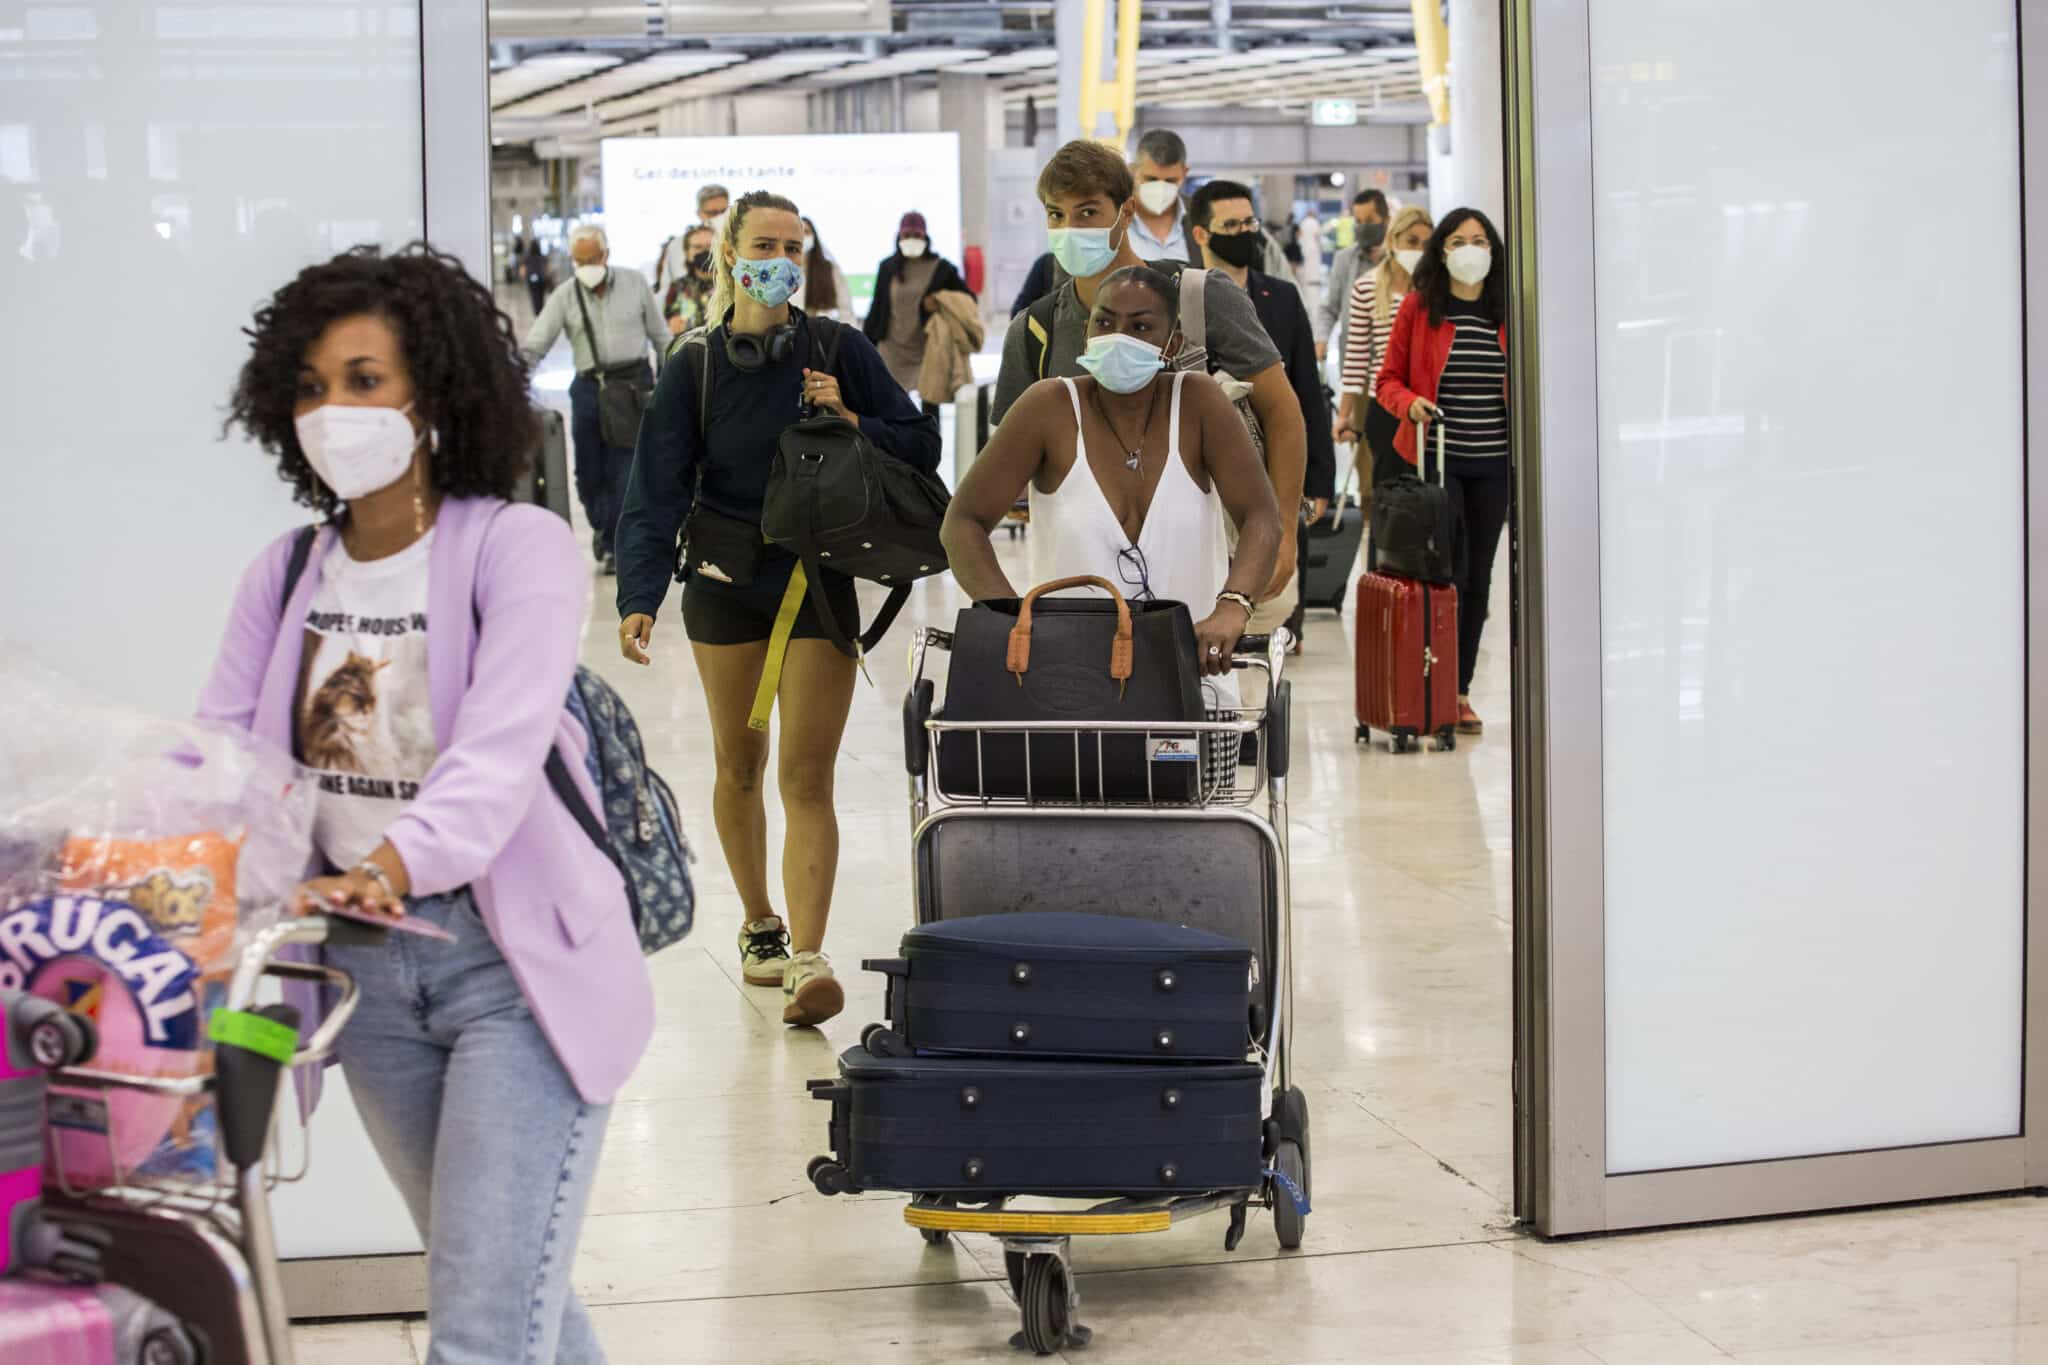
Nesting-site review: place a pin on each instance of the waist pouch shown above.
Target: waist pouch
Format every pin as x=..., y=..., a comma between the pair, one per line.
x=724, y=549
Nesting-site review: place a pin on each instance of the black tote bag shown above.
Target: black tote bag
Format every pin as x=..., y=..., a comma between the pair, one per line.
x=1416, y=532
x=1078, y=661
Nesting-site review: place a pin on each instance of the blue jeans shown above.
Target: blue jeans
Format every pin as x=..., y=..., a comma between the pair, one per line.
x=484, y=1135
x=601, y=470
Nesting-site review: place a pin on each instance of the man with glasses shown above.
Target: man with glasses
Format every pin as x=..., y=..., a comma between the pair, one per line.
x=1228, y=238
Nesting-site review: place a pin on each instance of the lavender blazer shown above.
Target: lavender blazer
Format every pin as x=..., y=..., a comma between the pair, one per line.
x=485, y=817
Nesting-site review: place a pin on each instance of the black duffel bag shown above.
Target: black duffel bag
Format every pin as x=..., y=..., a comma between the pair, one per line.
x=1074, y=661
x=836, y=502
x=1415, y=526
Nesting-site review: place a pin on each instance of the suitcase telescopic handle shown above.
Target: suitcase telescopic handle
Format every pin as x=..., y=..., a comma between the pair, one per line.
x=1120, y=657
x=1422, y=427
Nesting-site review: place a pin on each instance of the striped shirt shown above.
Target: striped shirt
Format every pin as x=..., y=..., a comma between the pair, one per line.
x=1365, y=340
x=1472, y=392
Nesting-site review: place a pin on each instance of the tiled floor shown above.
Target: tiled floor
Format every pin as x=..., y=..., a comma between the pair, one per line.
x=706, y=1243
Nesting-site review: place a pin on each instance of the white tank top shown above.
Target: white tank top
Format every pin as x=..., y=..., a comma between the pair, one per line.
x=1182, y=544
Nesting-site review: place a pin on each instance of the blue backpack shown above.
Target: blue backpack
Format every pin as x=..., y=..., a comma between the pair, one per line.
x=642, y=831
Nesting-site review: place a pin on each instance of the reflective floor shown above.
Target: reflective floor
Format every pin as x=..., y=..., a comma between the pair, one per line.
x=706, y=1242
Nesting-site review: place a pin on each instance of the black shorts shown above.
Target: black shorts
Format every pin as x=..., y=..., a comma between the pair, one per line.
x=720, y=614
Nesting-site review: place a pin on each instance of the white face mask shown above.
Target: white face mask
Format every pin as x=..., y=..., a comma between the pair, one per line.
x=913, y=247
x=1468, y=264
x=810, y=245
x=1408, y=260
x=356, y=450
x=591, y=275
x=1158, y=195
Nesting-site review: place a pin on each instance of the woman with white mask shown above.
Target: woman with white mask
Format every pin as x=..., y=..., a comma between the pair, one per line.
x=415, y=650
x=1375, y=298
x=751, y=618
x=1130, y=471
x=907, y=286
x=1447, y=364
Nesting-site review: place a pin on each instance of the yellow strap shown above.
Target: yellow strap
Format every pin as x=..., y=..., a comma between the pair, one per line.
x=1044, y=342
x=778, y=648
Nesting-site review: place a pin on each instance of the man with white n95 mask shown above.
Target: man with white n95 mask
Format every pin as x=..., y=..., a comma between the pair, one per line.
x=1159, y=232
x=612, y=317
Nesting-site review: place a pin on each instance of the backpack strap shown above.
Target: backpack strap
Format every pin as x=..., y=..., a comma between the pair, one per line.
x=1194, y=311
x=295, y=567
x=596, y=356
x=1038, y=322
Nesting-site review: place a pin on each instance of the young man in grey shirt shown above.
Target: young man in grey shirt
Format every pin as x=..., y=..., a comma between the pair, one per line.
x=1089, y=196
x=622, y=310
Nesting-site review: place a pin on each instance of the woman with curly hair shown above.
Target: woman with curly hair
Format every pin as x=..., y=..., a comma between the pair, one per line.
x=417, y=648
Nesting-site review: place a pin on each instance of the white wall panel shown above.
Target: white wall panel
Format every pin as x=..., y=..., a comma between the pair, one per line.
x=163, y=167
x=1812, y=568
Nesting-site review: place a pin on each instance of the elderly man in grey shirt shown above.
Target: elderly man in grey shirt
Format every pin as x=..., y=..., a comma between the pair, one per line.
x=619, y=308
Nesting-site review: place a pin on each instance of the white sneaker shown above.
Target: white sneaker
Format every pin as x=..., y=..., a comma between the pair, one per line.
x=764, y=951
x=811, y=994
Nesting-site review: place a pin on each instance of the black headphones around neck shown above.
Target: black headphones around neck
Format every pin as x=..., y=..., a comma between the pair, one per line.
x=752, y=353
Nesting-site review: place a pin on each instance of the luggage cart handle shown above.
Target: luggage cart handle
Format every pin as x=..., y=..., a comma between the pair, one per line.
x=260, y=959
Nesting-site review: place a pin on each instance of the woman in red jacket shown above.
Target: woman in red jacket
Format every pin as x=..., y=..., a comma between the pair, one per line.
x=1447, y=361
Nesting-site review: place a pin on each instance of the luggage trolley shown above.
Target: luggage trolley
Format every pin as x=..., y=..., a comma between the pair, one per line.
x=1216, y=862
x=206, y=1251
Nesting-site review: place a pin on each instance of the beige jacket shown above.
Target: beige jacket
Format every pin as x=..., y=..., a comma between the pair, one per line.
x=952, y=334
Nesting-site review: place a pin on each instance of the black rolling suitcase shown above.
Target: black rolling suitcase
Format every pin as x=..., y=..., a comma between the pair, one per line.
x=547, y=482
x=982, y=1127
x=1060, y=985
x=1330, y=553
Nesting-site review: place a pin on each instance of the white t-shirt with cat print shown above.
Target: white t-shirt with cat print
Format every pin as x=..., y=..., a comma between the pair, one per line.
x=366, y=722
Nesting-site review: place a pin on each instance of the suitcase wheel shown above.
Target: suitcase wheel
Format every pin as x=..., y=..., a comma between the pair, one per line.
x=828, y=1177
x=1363, y=735
x=1235, y=1234
x=1446, y=739
x=882, y=1041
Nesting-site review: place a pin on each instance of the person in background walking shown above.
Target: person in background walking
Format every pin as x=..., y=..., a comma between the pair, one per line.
x=673, y=262
x=906, y=288
x=1225, y=228
x=1368, y=236
x=826, y=292
x=1159, y=225
x=686, y=302
x=616, y=304
x=1447, y=362
x=1375, y=298
x=534, y=268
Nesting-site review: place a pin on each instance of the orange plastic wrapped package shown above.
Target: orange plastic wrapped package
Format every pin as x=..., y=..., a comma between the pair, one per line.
x=184, y=886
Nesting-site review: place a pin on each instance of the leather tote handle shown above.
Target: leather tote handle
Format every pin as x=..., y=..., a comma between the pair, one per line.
x=1020, y=635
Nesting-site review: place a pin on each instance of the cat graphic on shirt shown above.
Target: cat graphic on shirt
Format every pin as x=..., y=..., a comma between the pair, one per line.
x=338, y=714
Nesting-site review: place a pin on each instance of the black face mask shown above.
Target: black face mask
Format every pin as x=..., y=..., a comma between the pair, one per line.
x=701, y=263
x=1240, y=249
x=1372, y=235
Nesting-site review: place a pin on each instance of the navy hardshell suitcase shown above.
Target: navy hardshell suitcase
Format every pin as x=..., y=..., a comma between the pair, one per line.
x=985, y=1127
x=1055, y=984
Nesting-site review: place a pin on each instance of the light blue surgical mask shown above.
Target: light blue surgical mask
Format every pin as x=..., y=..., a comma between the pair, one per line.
x=1122, y=364
x=1081, y=252
x=770, y=283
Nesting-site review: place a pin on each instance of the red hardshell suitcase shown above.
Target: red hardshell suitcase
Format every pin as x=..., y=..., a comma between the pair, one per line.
x=1407, y=670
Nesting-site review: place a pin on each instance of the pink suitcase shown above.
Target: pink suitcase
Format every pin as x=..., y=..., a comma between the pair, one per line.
x=44, y=1323
x=35, y=1036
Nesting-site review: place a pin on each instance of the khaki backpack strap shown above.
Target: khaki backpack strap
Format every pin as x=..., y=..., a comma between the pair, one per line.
x=1194, y=310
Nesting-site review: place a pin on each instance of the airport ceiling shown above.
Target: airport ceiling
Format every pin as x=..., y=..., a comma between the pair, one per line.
x=580, y=70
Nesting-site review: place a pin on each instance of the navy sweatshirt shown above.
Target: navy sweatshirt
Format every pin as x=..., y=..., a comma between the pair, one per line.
x=749, y=412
